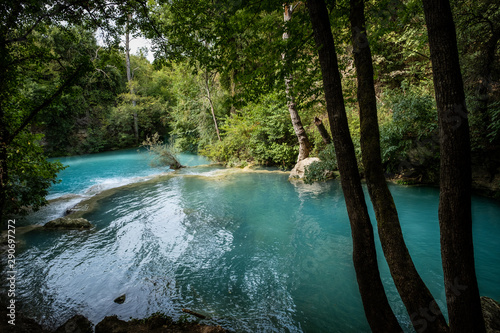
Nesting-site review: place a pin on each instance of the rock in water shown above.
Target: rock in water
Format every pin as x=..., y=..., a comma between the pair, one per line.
x=68, y=223
x=120, y=299
x=491, y=314
x=300, y=167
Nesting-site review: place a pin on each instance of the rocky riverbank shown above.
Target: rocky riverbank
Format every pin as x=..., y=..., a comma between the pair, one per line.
x=156, y=323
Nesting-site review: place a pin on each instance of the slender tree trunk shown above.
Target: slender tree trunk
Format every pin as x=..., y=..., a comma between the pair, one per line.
x=377, y=309
x=304, y=144
x=209, y=97
x=423, y=310
x=455, y=221
x=129, y=79
x=322, y=131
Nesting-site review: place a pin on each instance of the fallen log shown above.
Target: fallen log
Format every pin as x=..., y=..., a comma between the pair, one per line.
x=194, y=313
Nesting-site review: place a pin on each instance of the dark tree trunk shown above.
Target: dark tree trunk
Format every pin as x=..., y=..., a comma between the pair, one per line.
x=420, y=304
x=304, y=144
x=322, y=131
x=455, y=221
x=377, y=309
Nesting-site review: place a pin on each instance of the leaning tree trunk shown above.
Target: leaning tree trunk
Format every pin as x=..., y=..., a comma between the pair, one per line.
x=455, y=221
x=129, y=79
x=410, y=286
x=377, y=309
x=322, y=131
x=304, y=144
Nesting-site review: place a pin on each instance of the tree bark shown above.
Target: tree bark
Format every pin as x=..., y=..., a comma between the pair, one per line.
x=129, y=79
x=455, y=221
x=377, y=309
x=420, y=304
x=209, y=97
x=322, y=131
x=304, y=144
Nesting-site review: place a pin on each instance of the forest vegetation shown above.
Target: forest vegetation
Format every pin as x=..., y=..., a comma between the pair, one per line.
x=242, y=82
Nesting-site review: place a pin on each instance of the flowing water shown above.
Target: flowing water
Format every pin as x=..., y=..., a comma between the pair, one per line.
x=251, y=250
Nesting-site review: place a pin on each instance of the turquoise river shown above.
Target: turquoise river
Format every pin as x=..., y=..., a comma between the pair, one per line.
x=249, y=249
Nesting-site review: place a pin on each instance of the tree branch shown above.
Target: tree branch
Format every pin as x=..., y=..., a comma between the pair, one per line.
x=45, y=103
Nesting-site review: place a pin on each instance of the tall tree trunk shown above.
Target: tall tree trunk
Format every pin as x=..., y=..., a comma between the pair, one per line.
x=377, y=309
x=209, y=97
x=455, y=221
x=304, y=144
x=129, y=78
x=423, y=310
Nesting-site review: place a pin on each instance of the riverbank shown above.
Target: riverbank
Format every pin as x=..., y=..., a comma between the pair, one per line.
x=156, y=323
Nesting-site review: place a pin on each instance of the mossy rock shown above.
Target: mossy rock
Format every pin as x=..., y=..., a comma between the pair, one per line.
x=67, y=223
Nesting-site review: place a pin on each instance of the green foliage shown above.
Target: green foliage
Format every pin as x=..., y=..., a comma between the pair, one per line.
x=409, y=141
x=322, y=170
x=494, y=126
x=163, y=155
x=30, y=174
x=261, y=133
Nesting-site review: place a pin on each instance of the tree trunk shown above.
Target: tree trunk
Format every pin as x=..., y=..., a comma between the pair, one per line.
x=420, y=304
x=129, y=79
x=455, y=221
x=209, y=97
x=377, y=309
x=304, y=144
x=322, y=131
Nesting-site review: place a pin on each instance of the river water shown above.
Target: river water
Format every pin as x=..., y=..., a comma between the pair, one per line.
x=251, y=250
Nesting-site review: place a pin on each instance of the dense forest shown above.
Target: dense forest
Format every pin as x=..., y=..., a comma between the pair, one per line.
x=221, y=82
x=242, y=82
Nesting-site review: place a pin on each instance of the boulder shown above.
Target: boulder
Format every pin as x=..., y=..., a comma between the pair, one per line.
x=299, y=169
x=491, y=314
x=68, y=223
x=76, y=324
x=112, y=324
x=120, y=299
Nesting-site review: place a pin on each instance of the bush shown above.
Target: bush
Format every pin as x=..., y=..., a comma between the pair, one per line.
x=409, y=142
x=30, y=174
x=322, y=170
x=261, y=132
x=163, y=155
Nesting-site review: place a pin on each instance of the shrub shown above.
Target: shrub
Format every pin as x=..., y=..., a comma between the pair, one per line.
x=322, y=170
x=163, y=155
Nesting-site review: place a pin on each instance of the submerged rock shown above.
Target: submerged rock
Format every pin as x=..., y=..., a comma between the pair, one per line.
x=68, y=223
x=491, y=314
x=300, y=167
